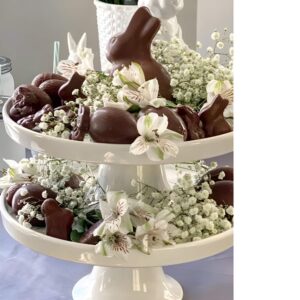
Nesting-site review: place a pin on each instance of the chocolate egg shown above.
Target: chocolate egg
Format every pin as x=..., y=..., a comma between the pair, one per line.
x=114, y=126
x=175, y=122
x=40, y=78
x=58, y=220
x=11, y=192
x=32, y=193
x=51, y=88
x=222, y=192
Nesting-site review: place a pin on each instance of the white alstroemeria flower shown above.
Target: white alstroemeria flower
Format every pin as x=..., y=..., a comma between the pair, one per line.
x=13, y=175
x=155, y=139
x=132, y=76
x=223, y=88
x=115, y=214
x=121, y=104
x=114, y=244
x=81, y=58
x=155, y=232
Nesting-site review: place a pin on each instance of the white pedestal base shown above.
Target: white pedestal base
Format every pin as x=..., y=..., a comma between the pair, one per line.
x=127, y=284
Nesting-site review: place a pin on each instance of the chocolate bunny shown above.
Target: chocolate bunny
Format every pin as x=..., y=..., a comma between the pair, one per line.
x=134, y=45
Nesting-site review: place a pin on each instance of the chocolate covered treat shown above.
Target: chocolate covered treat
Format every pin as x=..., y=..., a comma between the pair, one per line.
x=58, y=220
x=222, y=192
x=11, y=192
x=113, y=126
x=175, y=122
x=88, y=237
x=40, y=78
x=74, y=181
x=27, y=100
x=82, y=125
x=51, y=87
x=192, y=122
x=213, y=119
x=74, y=83
x=221, y=173
x=30, y=193
x=134, y=45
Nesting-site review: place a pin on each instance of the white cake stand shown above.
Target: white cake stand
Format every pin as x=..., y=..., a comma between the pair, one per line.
x=139, y=276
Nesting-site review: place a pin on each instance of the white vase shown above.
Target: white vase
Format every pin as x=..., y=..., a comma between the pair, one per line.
x=112, y=19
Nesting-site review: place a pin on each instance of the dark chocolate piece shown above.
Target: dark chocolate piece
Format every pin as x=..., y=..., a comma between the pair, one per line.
x=51, y=87
x=192, y=122
x=214, y=174
x=58, y=220
x=82, y=125
x=134, y=45
x=114, y=126
x=27, y=100
x=175, y=122
x=212, y=117
x=11, y=192
x=88, y=237
x=33, y=196
x=40, y=78
x=222, y=192
x=65, y=91
x=74, y=181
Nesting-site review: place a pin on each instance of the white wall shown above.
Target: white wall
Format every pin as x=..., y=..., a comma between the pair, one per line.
x=29, y=27
x=211, y=15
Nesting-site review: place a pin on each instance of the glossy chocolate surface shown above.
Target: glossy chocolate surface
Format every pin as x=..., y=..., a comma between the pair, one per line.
x=113, y=126
x=40, y=78
x=51, y=87
x=222, y=192
x=134, y=45
x=88, y=237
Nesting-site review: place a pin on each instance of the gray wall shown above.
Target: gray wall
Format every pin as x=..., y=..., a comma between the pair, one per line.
x=29, y=27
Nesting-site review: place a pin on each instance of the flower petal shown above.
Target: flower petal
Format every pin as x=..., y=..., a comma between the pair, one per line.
x=149, y=89
x=155, y=153
x=139, y=146
x=168, y=148
x=160, y=124
x=158, y=102
x=172, y=136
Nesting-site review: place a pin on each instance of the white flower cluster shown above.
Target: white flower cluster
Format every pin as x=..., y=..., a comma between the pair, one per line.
x=98, y=87
x=59, y=123
x=190, y=72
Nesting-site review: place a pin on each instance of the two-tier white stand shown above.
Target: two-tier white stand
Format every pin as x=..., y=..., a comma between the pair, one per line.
x=140, y=276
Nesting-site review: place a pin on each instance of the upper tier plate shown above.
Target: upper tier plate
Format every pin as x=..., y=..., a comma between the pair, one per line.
x=95, y=152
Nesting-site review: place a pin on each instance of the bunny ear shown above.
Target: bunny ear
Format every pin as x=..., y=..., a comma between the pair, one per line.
x=71, y=44
x=139, y=19
x=82, y=42
x=150, y=29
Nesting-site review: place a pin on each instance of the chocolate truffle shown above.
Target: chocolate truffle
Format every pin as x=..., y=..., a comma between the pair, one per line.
x=222, y=192
x=192, y=122
x=11, y=192
x=213, y=119
x=114, y=126
x=88, y=237
x=32, y=193
x=134, y=45
x=175, y=122
x=58, y=220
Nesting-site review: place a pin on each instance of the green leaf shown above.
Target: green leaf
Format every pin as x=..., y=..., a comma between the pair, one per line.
x=171, y=104
x=75, y=236
x=134, y=108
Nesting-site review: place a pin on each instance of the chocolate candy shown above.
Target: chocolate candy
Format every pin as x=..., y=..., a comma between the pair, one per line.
x=58, y=220
x=31, y=121
x=33, y=195
x=175, y=122
x=11, y=192
x=114, y=126
x=51, y=87
x=192, y=122
x=212, y=117
x=40, y=78
x=214, y=174
x=83, y=124
x=27, y=100
x=222, y=192
x=134, y=45
x=88, y=237
x=74, y=181
x=65, y=91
